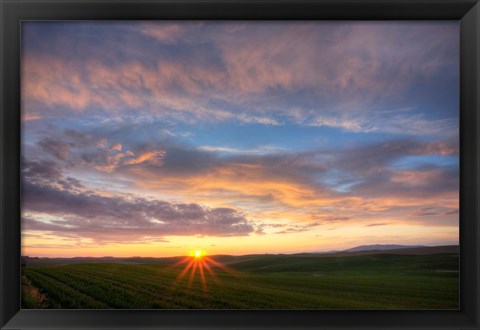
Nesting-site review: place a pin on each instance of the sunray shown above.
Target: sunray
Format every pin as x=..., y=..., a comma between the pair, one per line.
x=227, y=269
x=184, y=271
x=203, y=264
x=210, y=271
x=192, y=272
x=184, y=260
x=202, y=275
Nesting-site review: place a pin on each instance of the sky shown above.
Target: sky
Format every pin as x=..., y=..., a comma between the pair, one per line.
x=158, y=138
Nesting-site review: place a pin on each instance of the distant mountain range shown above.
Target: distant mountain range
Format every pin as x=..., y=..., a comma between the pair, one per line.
x=382, y=247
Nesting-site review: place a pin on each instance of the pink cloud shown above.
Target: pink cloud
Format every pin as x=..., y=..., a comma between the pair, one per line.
x=346, y=67
x=165, y=33
x=439, y=148
x=416, y=178
x=31, y=116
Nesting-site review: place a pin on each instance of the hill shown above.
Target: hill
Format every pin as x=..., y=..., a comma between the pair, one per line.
x=376, y=247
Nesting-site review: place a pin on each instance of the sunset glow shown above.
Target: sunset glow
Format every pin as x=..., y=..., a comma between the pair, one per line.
x=196, y=139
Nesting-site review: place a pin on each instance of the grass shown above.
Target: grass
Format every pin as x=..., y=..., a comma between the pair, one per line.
x=379, y=281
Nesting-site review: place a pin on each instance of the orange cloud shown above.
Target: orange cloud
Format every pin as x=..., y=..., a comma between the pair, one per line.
x=117, y=147
x=150, y=156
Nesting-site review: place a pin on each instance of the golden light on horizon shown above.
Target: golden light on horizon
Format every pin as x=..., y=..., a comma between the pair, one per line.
x=197, y=254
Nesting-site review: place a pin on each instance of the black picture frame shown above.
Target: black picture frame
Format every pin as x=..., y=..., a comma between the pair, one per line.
x=13, y=12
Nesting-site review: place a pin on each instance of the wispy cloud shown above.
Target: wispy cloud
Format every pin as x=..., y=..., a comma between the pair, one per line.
x=263, y=150
x=165, y=33
x=402, y=124
x=377, y=224
x=233, y=77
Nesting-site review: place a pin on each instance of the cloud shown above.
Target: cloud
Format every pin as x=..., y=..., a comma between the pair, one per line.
x=416, y=178
x=116, y=147
x=377, y=224
x=263, y=150
x=103, y=218
x=259, y=73
x=31, y=117
x=334, y=218
x=154, y=157
x=375, y=156
x=451, y=211
x=48, y=173
x=165, y=33
x=435, y=211
x=401, y=124
x=73, y=209
x=292, y=229
x=355, y=178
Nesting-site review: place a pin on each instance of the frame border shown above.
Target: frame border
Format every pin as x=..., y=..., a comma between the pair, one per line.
x=12, y=12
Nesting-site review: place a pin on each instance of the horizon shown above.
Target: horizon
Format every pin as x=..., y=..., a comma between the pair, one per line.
x=161, y=138
x=205, y=253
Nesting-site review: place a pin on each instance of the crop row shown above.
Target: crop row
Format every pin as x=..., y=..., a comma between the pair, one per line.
x=158, y=286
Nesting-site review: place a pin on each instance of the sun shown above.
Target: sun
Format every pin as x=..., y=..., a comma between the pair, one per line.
x=197, y=254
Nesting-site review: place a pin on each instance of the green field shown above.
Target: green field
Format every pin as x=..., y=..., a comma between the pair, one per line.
x=304, y=281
